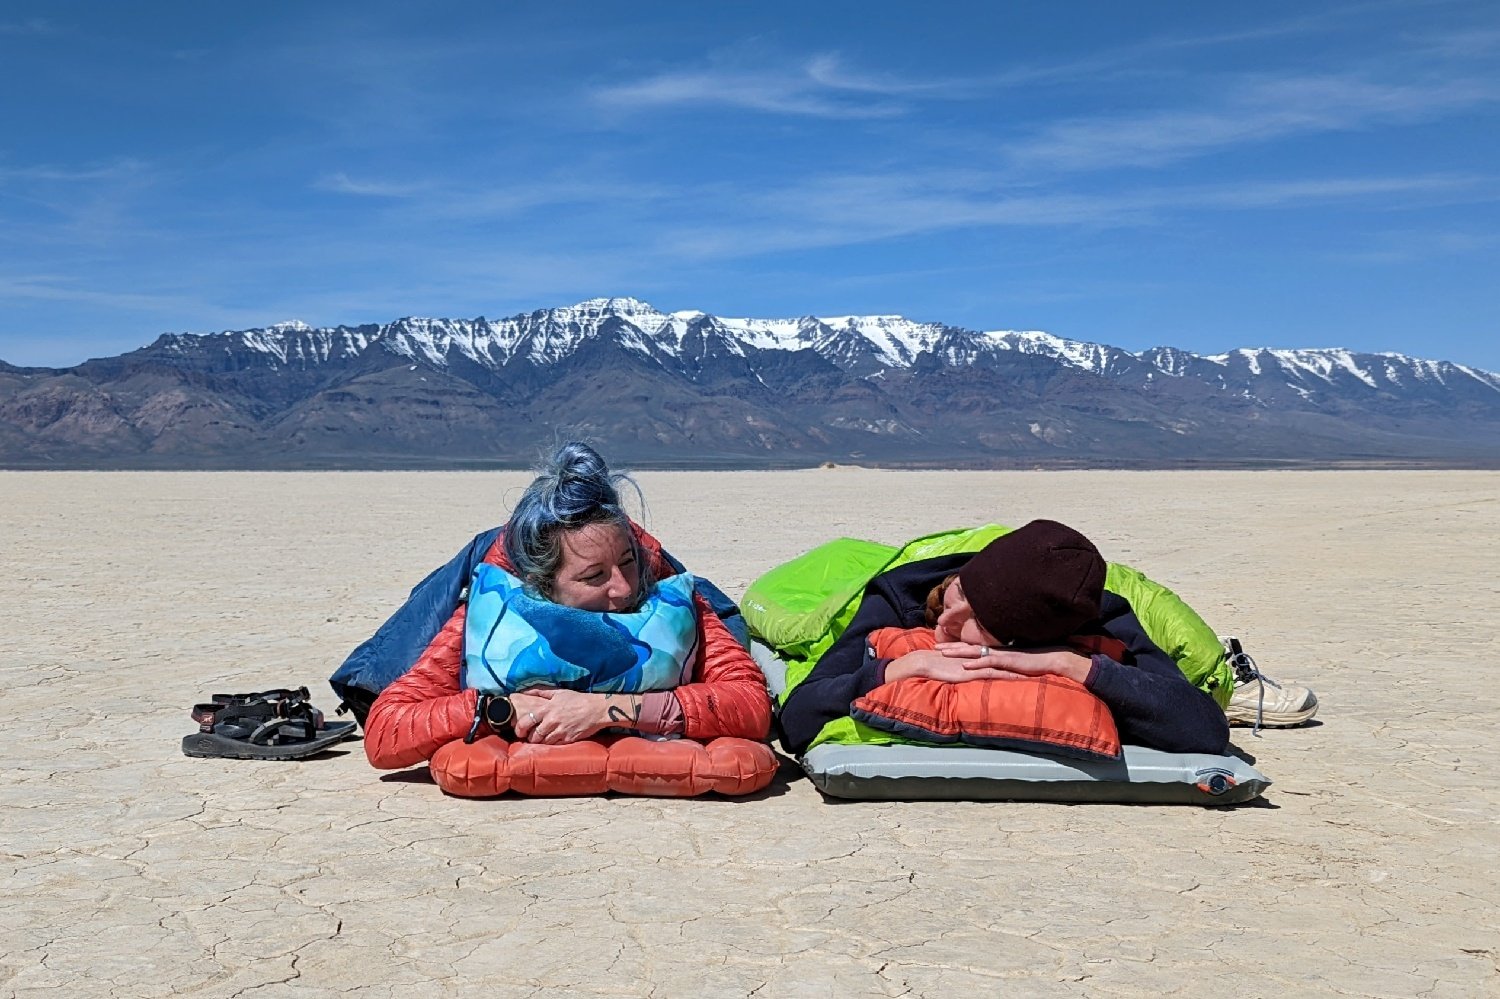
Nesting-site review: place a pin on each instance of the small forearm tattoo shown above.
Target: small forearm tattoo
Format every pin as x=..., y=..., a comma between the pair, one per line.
x=625, y=716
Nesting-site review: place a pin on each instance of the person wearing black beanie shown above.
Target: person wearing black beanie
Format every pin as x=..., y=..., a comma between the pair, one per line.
x=1030, y=603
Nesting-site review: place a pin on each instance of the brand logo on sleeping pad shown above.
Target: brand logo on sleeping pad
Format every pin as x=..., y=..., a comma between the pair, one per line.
x=1214, y=780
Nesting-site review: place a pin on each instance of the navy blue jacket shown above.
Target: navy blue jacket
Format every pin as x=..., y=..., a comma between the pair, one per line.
x=1153, y=704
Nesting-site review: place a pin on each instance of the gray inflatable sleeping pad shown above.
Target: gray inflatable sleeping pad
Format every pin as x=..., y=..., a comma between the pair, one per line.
x=1144, y=776
x=910, y=772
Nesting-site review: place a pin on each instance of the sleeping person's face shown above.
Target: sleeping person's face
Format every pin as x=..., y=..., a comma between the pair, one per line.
x=598, y=571
x=956, y=622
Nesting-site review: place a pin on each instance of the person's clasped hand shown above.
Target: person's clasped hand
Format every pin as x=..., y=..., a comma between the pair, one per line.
x=933, y=665
x=984, y=659
x=544, y=715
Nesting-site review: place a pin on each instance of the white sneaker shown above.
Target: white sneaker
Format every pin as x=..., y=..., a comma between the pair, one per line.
x=1262, y=702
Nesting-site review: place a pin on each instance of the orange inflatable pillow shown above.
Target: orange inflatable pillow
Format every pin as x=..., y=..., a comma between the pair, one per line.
x=893, y=643
x=676, y=768
x=1048, y=714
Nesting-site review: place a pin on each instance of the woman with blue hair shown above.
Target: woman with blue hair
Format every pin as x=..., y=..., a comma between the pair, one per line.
x=577, y=629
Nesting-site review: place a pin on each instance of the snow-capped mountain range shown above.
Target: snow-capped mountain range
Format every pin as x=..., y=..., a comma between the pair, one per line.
x=691, y=387
x=852, y=342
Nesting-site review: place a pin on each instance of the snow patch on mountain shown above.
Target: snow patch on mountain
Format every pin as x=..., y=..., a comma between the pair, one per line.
x=771, y=334
x=897, y=341
x=1094, y=357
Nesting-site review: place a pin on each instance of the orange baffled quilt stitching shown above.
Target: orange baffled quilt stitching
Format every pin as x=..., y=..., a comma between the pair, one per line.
x=677, y=768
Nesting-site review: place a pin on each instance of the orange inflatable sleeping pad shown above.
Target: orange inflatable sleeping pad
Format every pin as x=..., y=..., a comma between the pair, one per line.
x=675, y=768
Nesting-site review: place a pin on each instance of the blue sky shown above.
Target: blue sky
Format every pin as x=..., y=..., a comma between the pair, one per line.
x=1203, y=175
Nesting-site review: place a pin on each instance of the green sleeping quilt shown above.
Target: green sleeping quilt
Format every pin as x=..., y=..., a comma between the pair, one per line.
x=801, y=607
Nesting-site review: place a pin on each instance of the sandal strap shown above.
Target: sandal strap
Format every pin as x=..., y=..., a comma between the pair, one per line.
x=269, y=706
x=275, y=694
x=266, y=732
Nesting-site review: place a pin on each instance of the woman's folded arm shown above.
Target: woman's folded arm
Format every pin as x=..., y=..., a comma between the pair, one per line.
x=425, y=708
x=730, y=696
x=1153, y=704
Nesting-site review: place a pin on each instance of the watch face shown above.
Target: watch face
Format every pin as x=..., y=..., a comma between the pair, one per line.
x=499, y=712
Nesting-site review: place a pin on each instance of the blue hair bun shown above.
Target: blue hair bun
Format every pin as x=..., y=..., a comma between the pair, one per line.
x=578, y=481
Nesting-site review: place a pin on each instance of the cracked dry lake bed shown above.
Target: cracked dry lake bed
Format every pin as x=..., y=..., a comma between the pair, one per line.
x=131, y=870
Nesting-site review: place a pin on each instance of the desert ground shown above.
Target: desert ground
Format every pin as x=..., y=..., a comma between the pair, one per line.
x=1369, y=868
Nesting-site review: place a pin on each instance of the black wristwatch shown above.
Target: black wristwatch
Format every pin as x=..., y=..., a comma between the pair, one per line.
x=496, y=711
x=499, y=713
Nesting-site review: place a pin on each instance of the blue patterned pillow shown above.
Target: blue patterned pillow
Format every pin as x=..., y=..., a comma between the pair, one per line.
x=514, y=639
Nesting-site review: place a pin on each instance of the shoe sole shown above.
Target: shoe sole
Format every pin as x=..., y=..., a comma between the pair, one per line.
x=1270, y=719
x=208, y=745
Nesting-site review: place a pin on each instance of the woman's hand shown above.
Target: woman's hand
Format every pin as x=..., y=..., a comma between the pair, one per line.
x=558, y=716
x=935, y=665
x=1059, y=662
x=963, y=650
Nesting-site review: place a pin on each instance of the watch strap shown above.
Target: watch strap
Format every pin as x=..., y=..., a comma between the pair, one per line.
x=481, y=701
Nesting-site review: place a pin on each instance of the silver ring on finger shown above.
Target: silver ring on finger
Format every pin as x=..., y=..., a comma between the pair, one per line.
x=984, y=650
x=532, y=716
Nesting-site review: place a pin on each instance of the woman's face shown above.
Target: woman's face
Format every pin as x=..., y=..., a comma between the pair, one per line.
x=957, y=623
x=598, y=570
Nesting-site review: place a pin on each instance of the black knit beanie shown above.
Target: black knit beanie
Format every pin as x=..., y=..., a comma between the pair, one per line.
x=1036, y=585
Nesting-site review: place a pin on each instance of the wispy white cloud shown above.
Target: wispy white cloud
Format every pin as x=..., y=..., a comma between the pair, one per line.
x=1256, y=110
x=32, y=27
x=1404, y=246
x=123, y=169
x=821, y=86
x=673, y=225
x=829, y=70
x=853, y=210
x=620, y=195
x=1393, y=193
x=1326, y=19
x=824, y=85
x=1468, y=44
x=60, y=288
x=341, y=183
x=1146, y=57
x=84, y=207
x=436, y=199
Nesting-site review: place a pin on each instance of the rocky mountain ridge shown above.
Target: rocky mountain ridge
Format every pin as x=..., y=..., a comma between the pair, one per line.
x=691, y=388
